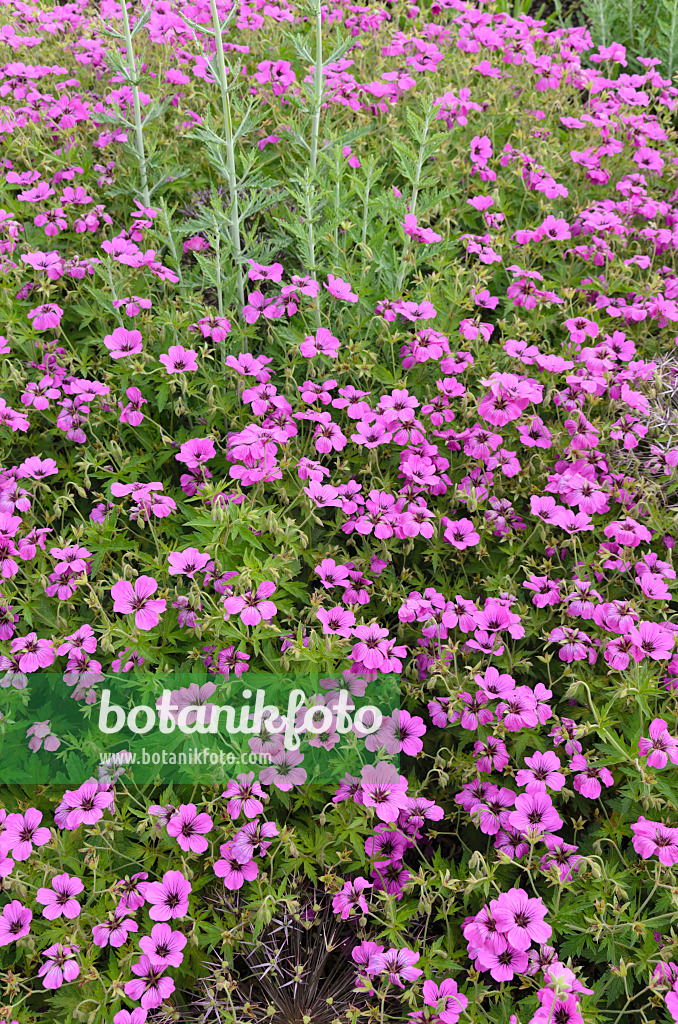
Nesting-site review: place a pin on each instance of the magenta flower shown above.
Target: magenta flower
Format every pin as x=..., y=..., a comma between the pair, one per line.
x=196, y=452
x=60, y=899
x=60, y=965
x=401, y=733
x=446, y=998
x=132, y=891
x=542, y=771
x=520, y=919
x=187, y=562
x=384, y=789
x=46, y=317
x=331, y=574
x=398, y=964
x=336, y=621
x=168, y=898
x=502, y=960
x=372, y=647
x=340, y=289
x=284, y=772
x=591, y=778
x=33, y=654
x=323, y=343
x=149, y=986
x=86, y=805
x=253, y=607
x=15, y=922
x=189, y=828
x=233, y=872
x=179, y=359
x=660, y=747
x=351, y=897
x=163, y=946
x=115, y=930
x=253, y=838
x=561, y=856
x=137, y=1016
x=123, y=343
x=654, y=838
x=23, y=831
x=651, y=640
x=535, y=814
x=242, y=794
x=137, y=599
x=461, y=533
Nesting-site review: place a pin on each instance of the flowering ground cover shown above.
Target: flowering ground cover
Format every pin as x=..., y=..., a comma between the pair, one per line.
x=339, y=345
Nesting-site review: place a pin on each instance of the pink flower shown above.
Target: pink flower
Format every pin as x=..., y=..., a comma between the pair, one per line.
x=253, y=607
x=123, y=343
x=189, y=828
x=461, y=533
x=649, y=639
x=535, y=814
x=542, y=771
x=60, y=965
x=654, y=838
x=340, y=289
x=115, y=930
x=520, y=919
x=398, y=964
x=580, y=328
x=131, y=413
x=138, y=1015
x=503, y=961
x=15, y=922
x=163, y=946
x=179, y=359
x=169, y=898
x=187, y=562
x=400, y=733
x=284, y=772
x=372, y=646
x=233, y=872
x=351, y=897
x=86, y=805
x=384, y=789
x=337, y=621
x=46, y=317
x=137, y=599
x=23, y=831
x=60, y=899
x=332, y=574
x=481, y=149
x=446, y=1000
x=661, y=746
x=150, y=986
x=258, y=304
x=33, y=654
x=196, y=452
x=324, y=343
x=242, y=794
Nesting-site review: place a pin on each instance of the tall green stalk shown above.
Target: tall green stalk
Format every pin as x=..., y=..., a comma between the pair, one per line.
x=138, y=125
x=317, y=86
x=234, y=216
x=413, y=201
x=311, y=244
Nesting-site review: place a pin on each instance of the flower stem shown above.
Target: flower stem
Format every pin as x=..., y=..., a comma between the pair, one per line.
x=234, y=215
x=138, y=126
